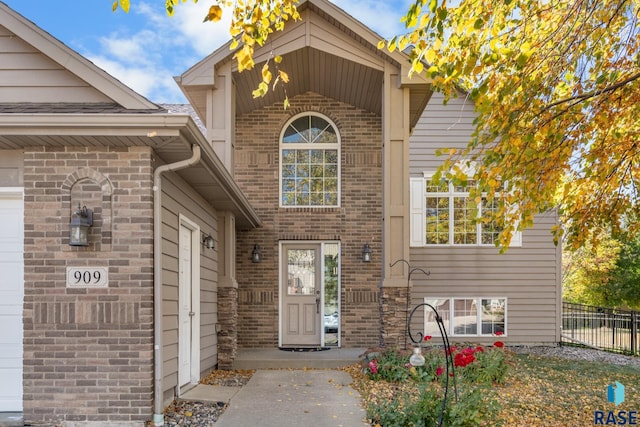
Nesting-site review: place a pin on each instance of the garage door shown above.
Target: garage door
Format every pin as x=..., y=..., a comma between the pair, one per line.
x=11, y=296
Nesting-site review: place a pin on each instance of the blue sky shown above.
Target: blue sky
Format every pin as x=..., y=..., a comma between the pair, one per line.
x=145, y=48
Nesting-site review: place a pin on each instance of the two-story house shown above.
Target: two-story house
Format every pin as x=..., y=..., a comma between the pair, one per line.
x=272, y=228
x=344, y=171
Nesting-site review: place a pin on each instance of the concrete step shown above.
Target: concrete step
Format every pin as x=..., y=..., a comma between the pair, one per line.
x=274, y=358
x=11, y=419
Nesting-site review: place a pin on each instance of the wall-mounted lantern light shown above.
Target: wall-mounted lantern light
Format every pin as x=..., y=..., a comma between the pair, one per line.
x=81, y=220
x=256, y=254
x=208, y=241
x=366, y=253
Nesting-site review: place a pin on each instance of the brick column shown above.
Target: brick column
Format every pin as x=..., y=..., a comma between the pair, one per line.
x=228, y=320
x=227, y=291
x=393, y=311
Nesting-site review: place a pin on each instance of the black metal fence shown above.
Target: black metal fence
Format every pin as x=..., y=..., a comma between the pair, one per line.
x=600, y=327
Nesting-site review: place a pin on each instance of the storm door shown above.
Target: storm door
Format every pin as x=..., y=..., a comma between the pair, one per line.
x=309, y=290
x=301, y=295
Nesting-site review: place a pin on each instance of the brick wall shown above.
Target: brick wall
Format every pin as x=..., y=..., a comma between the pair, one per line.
x=357, y=221
x=88, y=353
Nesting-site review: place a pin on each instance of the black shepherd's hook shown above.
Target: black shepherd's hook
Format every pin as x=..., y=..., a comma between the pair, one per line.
x=411, y=271
x=447, y=354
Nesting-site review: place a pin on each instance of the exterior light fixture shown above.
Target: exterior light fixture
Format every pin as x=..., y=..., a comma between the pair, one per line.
x=366, y=253
x=81, y=220
x=208, y=241
x=256, y=254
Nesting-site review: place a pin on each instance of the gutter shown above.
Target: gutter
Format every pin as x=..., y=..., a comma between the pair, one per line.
x=158, y=416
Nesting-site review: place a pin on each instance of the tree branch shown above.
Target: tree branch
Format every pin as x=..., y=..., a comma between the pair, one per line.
x=593, y=93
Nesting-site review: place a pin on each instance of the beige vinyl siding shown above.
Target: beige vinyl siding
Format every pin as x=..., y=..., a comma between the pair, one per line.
x=527, y=276
x=27, y=75
x=441, y=126
x=178, y=198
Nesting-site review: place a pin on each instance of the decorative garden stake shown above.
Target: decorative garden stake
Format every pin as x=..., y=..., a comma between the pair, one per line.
x=417, y=354
x=411, y=271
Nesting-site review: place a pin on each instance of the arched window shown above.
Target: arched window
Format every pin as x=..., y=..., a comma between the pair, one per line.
x=310, y=162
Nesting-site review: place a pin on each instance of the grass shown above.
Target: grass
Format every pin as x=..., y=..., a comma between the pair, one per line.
x=539, y=391
x=544, y=390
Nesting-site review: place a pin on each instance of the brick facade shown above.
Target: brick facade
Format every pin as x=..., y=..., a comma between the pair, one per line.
x=88, y=353
x=358, y=219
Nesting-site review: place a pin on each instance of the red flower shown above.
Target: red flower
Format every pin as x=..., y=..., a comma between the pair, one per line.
x=439, y=370
x=499, y=333
x=427, y=337
x=480, y=349
x=498, y=344
x=373, y=366
x=451, y=350
x=468, y=351
x=461, y=359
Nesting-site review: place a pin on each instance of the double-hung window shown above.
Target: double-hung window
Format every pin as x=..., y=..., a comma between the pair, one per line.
x=444, y=214
x=310, y=162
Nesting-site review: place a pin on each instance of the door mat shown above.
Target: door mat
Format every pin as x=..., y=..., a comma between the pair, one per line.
x=304, y=349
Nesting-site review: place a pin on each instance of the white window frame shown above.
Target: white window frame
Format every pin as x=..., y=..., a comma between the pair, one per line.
x=306, y=146
x=448, y=319
x=418, y=213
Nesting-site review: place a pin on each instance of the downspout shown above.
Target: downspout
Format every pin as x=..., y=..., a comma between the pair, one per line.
x=158, y=416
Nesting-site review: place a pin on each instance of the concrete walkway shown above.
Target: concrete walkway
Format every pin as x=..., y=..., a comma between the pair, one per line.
x=294, y=398
x=274, y=358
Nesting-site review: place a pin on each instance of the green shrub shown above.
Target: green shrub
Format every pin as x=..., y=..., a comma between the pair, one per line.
x=419, y=403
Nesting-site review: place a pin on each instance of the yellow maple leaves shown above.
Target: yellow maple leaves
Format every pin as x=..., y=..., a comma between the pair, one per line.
x=123, y=4
x=556, y=91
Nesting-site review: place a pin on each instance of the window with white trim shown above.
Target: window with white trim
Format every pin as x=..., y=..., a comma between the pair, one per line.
x=467, y=316
x=444, y=214
x=310, y=162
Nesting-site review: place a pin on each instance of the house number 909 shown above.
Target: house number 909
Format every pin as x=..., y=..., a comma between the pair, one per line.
x=87, y=277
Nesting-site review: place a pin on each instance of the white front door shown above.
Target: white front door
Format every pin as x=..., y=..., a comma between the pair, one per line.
x=189, y=304
x=11, y=299
x=301, y=294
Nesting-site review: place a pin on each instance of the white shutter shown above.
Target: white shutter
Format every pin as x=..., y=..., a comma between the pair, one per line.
x=416, y=212
x=516, y=239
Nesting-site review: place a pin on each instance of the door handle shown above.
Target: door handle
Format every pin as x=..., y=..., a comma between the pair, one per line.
x=317, y=302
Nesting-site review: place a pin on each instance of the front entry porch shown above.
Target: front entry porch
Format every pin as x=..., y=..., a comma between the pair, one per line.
x=274, y=358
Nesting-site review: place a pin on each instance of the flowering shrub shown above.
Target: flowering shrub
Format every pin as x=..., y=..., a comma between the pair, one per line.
x=373, y=366
x=464, y=357
x=421, y=388
x=388, y=365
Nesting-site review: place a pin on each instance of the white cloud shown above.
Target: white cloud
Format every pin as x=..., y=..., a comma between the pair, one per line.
x=134, y=49
x=381, y=16
x=204, y=37
x=161, y=47
x=146, y=55
x=155, y=83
